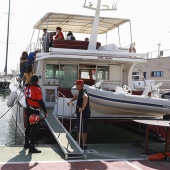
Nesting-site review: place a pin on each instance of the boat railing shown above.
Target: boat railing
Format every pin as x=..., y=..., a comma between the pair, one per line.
x=71, y=115
x=31, y=47
x=158, y=54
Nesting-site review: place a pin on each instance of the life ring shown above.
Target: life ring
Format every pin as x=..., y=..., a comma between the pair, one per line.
x=132, y=50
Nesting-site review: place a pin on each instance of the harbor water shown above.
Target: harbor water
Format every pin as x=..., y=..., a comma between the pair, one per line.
x=9, y=133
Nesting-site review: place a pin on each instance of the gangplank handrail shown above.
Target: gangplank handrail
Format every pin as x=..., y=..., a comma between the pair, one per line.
x=64, y=98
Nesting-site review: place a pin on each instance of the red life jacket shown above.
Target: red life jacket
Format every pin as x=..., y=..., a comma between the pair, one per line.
x=33, y=94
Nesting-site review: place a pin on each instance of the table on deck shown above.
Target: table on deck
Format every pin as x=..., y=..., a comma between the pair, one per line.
x=163, y=123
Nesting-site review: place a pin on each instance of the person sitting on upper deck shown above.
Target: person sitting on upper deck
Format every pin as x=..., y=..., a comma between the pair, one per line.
x=86, y=39
x=59, y=35
x=51, y=35
x=70, y=36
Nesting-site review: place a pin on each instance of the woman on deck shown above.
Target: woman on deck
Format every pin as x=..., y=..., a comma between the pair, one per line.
x=23, y=60
x=59, y=35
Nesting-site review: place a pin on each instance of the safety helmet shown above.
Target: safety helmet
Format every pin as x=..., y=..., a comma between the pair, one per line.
x=34, y=119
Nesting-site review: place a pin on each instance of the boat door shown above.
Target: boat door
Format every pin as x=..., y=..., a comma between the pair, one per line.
x=68, y=75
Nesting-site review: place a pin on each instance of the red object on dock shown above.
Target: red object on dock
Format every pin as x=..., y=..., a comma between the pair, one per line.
x=159, y=156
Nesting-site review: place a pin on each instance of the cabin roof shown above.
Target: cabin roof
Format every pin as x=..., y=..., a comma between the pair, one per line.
x=77, y=23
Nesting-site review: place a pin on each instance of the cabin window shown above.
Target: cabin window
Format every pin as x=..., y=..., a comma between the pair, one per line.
x=52, y=71
x=68, y=75
x=85, y=74
x=102, y=72
x=144, y=75
x=157, y=74
x=135, y=76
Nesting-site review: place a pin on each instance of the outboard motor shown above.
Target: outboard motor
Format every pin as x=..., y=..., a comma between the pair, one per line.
x=12, y=98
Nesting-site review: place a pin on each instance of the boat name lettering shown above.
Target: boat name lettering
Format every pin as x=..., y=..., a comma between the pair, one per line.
x=105, y=58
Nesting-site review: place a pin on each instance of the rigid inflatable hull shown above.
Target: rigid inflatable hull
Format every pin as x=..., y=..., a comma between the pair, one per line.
x=107, y=102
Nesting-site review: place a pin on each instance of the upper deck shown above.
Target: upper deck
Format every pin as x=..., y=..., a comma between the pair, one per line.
x=78, y=49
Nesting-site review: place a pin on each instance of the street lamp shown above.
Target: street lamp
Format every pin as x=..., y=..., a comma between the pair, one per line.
x=159, y=44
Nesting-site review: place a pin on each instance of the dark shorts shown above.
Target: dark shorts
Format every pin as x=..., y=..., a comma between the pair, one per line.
x=30, y=111
x=84, y=124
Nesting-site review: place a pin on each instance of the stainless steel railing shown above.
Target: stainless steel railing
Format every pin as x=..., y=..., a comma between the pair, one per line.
x=71, y=115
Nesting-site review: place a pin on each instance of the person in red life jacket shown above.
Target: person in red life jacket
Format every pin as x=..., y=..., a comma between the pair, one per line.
x=59, y=35
x=34, y=102
x=84, y=107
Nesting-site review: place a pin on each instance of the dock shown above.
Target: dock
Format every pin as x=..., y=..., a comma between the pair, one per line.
x=99, y=157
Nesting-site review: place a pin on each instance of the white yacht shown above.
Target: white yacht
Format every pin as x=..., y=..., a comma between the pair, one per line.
x=106, y=66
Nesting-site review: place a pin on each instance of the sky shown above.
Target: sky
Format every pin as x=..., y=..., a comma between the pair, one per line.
x=150, y=20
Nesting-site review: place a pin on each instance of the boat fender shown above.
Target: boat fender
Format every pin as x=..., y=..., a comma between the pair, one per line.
x=12, y=98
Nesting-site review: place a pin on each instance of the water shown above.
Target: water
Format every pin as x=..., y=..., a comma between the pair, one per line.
x=9, y=134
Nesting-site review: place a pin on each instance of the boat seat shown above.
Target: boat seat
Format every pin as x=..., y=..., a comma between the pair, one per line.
x=73, y=44
x=119, y=89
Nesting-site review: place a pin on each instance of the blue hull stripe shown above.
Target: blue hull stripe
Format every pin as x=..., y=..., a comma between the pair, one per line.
x=125, y=101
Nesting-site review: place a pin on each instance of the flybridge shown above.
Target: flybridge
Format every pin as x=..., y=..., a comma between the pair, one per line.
x=83, y=24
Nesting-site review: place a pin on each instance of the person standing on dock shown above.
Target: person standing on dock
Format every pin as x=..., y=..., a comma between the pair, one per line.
x=34, y=102
x=84, y=108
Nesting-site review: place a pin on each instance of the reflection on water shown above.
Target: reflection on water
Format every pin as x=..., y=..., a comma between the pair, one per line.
x=9, y=134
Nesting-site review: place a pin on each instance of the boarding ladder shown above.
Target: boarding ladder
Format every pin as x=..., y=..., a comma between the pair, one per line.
x=68, y=145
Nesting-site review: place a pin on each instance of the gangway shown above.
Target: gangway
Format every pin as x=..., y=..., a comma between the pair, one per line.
x=68, y=145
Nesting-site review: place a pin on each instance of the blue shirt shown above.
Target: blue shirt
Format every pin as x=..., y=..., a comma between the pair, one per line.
x=31, y=58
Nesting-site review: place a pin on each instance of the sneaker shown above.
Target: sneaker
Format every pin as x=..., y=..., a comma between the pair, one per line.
x=34, y=150
x=26, y=145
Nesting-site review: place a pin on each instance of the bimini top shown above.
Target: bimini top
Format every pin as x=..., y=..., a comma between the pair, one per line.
x=77, y=23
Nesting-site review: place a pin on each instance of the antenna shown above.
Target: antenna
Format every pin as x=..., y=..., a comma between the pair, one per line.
x=114, y=5
x=104, y=7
